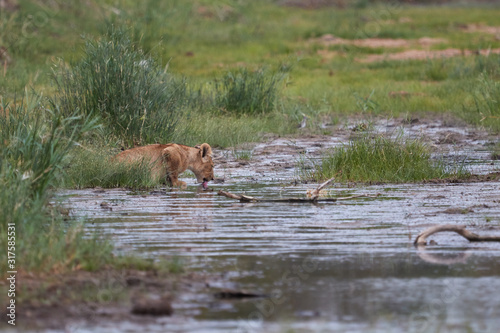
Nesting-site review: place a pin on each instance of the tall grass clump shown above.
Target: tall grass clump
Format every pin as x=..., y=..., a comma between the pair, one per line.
x=89, y=167
x=248, y=92
x=379, y=159
x=135, y=99
x=486, y=108
x=34, y=144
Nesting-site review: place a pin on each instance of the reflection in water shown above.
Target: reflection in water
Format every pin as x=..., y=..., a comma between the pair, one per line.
x=347, y=266
x=429, y=256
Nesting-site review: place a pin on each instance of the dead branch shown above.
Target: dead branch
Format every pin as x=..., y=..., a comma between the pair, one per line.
x=246, y=198
x=315, y=193
x=459, y=229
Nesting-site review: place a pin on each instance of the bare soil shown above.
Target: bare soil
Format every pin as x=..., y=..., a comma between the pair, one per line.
x=426, y=54
x=481, y=28
x=418, y=49
x=328, y=40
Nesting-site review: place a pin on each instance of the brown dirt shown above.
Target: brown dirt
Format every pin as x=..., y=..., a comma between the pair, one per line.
x=481, y=28
x=426, y=54
x=313, y=4
x=9, y=5
x=416, y=49
x=51, y=302
x=329, y=40
x=490, y=177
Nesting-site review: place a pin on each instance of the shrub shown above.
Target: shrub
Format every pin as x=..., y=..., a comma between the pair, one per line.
x=127, y=90
x=248, y=92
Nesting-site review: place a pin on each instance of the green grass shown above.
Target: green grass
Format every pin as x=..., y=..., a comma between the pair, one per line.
x=181, y=62
x=37, y=153
x=248, y=92
x=92, y=167
x=230, y=130
x=380, y=159
x=485, y=108
x=245, y=155
x=116, y=83
x=34, y=143
x=202, y=41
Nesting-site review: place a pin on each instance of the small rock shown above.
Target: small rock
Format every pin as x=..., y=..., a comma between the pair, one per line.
x=233, y=294
x=105, y=205
x=147, y=305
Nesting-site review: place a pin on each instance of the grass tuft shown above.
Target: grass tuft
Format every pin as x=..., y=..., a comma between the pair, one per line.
x=248, y=92
x=380, y=159
x=486, y=108
x=115, y=82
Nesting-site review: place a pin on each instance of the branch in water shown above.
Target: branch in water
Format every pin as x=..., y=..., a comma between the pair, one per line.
x=246, y=198
x=459, y=229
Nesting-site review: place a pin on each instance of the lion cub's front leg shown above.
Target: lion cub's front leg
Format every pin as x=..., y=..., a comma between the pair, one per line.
x=174, y=164
x=175, y=182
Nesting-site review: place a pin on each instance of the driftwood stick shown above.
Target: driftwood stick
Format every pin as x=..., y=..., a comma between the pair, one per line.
x=459, y=229
x=358, y=196
x=320, y=187
x=245, y=198
x=314, y=194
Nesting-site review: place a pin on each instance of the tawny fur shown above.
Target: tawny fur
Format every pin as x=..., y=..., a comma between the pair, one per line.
x=168, y=161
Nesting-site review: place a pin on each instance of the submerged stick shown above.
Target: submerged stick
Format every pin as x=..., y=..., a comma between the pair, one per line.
x=246, y=198
x=459, y=229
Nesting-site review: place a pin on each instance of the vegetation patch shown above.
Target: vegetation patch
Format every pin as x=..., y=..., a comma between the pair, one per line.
x=126, y=90
x=94, y=167
x=34, y=143
x=485, y=110
x=248, y=92
x=380, y=159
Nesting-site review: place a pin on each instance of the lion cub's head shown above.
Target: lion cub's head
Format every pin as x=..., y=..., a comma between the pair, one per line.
x=203, y=167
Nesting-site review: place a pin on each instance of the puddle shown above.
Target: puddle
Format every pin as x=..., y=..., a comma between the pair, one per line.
x=333, y=267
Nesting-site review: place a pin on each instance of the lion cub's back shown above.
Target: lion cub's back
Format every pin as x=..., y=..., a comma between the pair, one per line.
x=150, y=152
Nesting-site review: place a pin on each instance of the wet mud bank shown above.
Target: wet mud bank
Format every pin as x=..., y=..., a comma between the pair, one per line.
x=326, y=267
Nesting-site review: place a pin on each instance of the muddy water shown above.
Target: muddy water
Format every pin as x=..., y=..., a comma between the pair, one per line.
x=327, y=267
x=336, y=267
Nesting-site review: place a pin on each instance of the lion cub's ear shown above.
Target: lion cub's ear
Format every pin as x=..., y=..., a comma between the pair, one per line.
x=205, y=150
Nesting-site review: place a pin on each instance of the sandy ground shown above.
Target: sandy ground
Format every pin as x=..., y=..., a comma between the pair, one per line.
x=404, y=49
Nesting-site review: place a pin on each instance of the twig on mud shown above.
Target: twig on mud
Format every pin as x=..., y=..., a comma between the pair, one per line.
x=459, y=229
x=246, y=198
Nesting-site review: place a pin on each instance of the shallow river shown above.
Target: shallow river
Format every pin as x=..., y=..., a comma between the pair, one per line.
x=329, y=267
x=348, y=266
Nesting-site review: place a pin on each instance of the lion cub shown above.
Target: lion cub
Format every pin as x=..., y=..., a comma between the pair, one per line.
x=170, y=160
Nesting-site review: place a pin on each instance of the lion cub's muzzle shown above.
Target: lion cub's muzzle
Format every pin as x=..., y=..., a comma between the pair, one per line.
x=206, y=179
